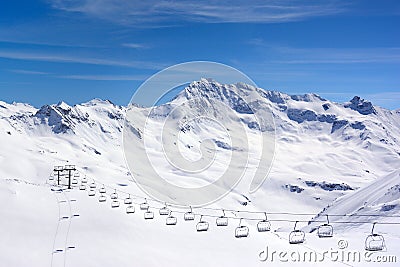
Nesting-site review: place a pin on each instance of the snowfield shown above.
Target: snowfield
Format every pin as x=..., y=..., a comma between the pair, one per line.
x=341, y=159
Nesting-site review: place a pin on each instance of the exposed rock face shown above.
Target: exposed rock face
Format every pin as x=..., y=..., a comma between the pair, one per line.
x=360, y=105
x=56, y=117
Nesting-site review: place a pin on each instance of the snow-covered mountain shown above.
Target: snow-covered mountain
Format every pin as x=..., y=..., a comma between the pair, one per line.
x=336, y=157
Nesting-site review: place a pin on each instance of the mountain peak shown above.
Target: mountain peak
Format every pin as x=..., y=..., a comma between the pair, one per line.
x=208, y=80
x=360, y=105
x=310, y=97
x=98, y=101
x=209, y=87
x=56, y=117
x=206, y=90
x=63, y=106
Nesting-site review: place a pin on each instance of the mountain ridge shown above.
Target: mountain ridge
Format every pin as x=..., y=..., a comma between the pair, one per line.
x=275, y=96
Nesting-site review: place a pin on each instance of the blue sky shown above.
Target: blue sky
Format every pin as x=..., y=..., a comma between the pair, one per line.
x=77, y=50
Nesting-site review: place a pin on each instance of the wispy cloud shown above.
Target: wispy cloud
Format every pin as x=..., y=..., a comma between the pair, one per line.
x=63, y=58
x=105, y=77
x=91, y=77
x=339, y=55
x=135, y=45
x=29, y=72
x=295, y=55
x=212, y=11
x=385, y=99
x=341, y=61
x=42, y=43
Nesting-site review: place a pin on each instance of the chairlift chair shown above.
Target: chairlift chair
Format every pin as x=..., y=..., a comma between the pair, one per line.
x=189, y=216
x=264, y=225
x=325, y=230
x=171, y=220
x=223, y=220
x=202, y=226
x=144, y=205
x=114, y=195
x=130, y=209
x=115, y=204
x=58, y=168
x=241, y=230
x=74, y=181
x=374, y=242
x=148, y=215
x=92, y=185
x=102, y=198
x=128, y=200
x=82, y=187
x=102, y=190
x=91, y=193
x=84, y=180
x=297, y=236
x=164, y=211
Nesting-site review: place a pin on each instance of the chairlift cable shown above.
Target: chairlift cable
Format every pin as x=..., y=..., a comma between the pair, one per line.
x=223, y=210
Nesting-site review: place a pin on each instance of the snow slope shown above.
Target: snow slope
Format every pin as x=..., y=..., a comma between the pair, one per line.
x=379, y=197
x=329, y=157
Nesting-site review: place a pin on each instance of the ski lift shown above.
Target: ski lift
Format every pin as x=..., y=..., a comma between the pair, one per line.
x=264, y=225
x=74, y=181
x=171, y=220
x=102, y=190
x=164, y=211
x=202, y=226
x=296, y=236
x=130, y=209
x=325, y=230
x=82, y=187
x=241, y=230
x=102, y=198
x=148, y=215
x=92, y=185
x=189, y=216
x=114, y=195
x=115, y=204
x=58, y=169
x=374, y=242
x=128, y=200
x=84, y=180
x=223, y=220
x=144, y=205
x=91, y=193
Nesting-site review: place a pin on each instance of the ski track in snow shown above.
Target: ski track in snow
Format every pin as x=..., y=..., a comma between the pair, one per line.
x=65, y=217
